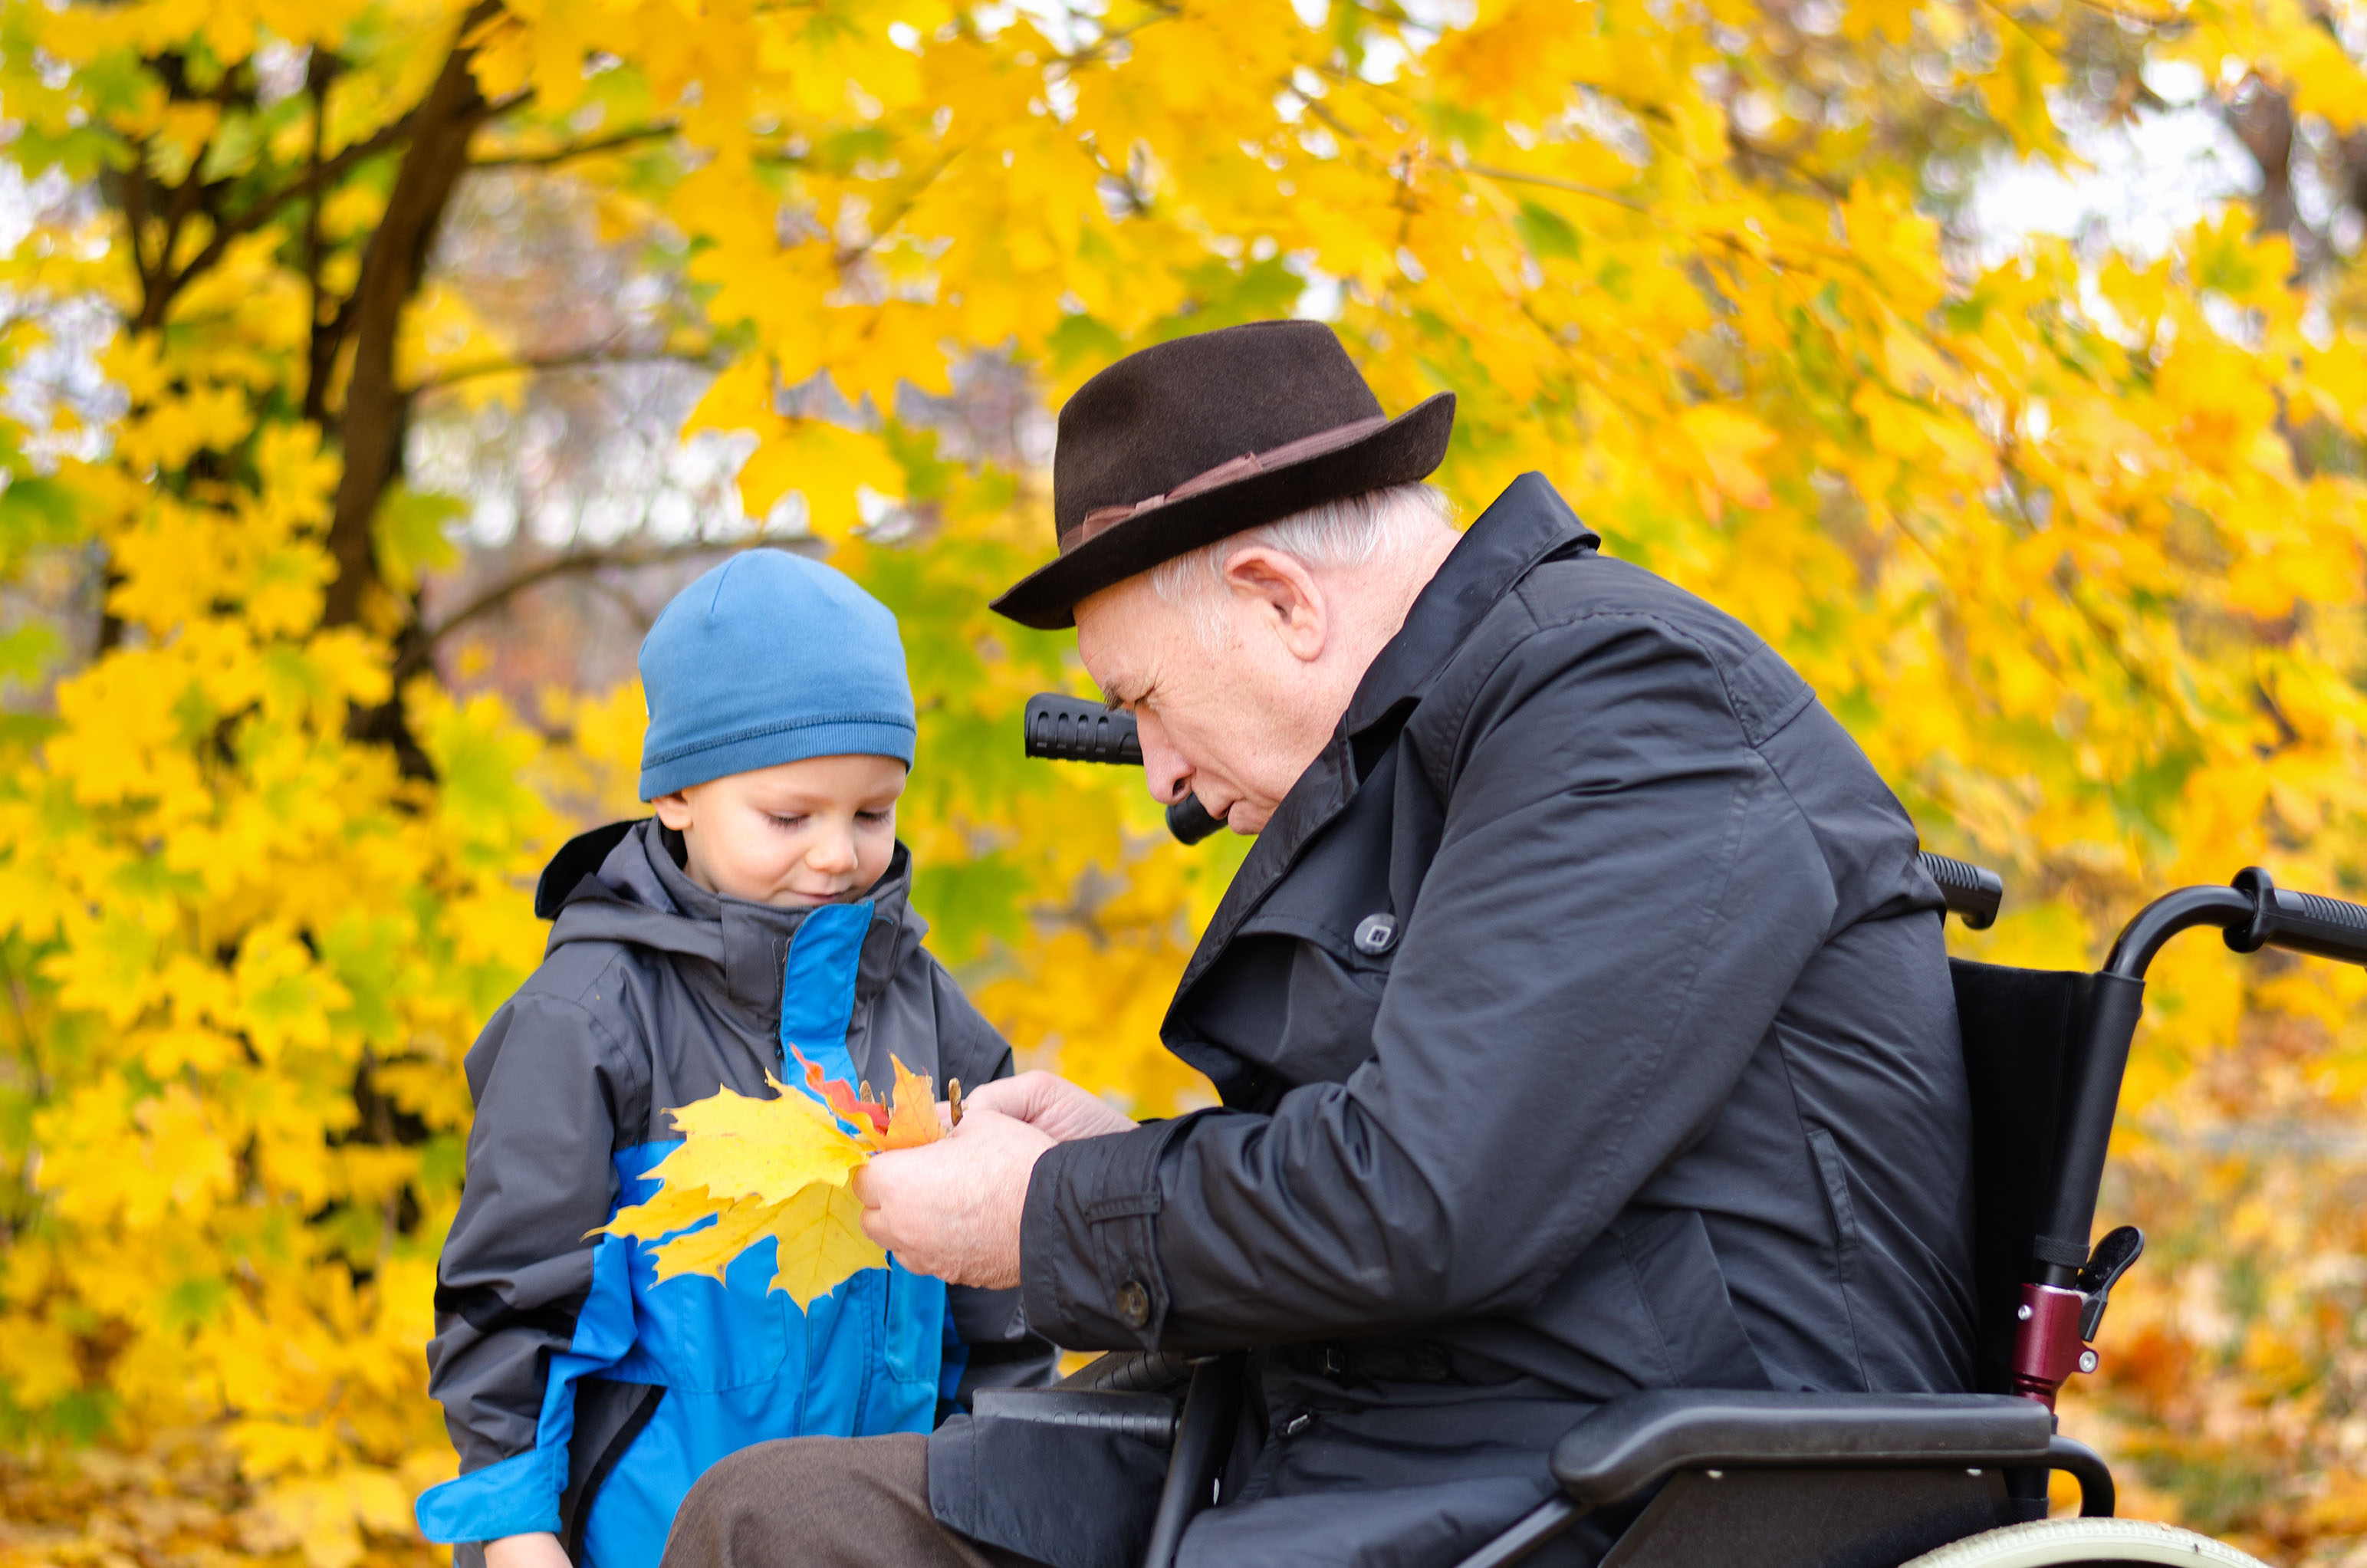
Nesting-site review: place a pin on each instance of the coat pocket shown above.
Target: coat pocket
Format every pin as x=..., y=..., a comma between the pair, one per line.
x=1832, y=1177
x=704, y=1336
x=916, y=1330
x=1676, y=1272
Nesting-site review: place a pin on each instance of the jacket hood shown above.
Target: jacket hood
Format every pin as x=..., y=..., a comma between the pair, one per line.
x=619, y=883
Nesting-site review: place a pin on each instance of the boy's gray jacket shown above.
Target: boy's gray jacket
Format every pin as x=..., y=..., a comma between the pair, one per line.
x=1582, y=1023
x=653, y=993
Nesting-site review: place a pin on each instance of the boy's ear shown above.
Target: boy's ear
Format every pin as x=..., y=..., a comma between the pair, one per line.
x=672, y=810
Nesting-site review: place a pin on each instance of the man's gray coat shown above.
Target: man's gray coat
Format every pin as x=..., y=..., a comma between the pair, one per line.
x=1583, y=1025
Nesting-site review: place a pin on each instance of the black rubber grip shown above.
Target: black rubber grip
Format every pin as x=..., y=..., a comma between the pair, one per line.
x=1974, y=893
x=1189, y=821
x=1078, y=729
x=2298, y=922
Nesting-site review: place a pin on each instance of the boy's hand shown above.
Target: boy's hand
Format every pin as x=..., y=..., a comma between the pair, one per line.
x=1051, y=1104
x=540, y=1550
x=951, y=1209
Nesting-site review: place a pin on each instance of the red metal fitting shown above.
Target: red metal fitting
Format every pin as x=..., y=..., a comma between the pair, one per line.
x=2046, y=1345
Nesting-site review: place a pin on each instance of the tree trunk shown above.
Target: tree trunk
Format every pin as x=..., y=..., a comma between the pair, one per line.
x=376, y=407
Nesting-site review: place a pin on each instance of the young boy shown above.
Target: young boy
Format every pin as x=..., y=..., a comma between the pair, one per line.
x=765, y=907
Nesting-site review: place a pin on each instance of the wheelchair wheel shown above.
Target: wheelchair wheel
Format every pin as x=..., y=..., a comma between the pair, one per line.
x=2072, y=1544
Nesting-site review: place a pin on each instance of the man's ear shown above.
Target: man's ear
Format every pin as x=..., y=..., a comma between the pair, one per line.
x=1283, y=594
x=672, y=810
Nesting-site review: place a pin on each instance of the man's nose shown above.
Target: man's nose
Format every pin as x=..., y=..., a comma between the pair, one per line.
x=1163, y=767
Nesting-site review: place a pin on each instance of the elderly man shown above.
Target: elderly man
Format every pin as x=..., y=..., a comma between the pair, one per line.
x=1581, y=1018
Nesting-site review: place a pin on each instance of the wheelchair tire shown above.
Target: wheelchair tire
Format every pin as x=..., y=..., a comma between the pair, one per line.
x=2073, y=1544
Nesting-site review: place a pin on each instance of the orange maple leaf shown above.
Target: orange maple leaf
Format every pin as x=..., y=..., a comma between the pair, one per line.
x=843, y=1100
x=914, y=1120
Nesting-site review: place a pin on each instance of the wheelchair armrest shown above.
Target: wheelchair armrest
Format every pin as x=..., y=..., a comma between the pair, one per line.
x=1135, y=1393
x=1149, y=1416
x=1638, y=1440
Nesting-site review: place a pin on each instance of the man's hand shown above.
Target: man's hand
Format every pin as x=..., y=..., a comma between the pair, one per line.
x=540, y=1550
x=1051, y=1105
x=952, y=1208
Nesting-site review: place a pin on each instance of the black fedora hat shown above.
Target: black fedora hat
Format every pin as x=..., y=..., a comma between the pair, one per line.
x=1180, y=445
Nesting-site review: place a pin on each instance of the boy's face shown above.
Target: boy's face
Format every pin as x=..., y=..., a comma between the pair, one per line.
x=820, y=831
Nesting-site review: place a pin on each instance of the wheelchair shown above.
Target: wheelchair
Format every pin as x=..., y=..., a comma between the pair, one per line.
x=1835, y=1480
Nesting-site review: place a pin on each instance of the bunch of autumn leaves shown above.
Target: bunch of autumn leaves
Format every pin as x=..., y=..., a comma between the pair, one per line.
x=780, y=1168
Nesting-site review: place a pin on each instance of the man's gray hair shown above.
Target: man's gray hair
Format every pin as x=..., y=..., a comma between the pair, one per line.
x=1356, y=530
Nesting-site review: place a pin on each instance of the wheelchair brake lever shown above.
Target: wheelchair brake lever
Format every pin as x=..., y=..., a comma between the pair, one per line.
x=2101, y=1271
x=2055, y=1324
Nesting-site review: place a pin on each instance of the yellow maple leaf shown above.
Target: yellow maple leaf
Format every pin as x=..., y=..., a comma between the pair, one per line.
x=774, y=1167
x=740, y=1146
x=822, y=1243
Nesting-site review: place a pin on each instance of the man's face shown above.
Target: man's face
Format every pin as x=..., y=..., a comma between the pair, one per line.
x=1234, y=720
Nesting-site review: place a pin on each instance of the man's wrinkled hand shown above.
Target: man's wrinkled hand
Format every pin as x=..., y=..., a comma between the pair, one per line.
x=952, y=1208
x=1052, y=1105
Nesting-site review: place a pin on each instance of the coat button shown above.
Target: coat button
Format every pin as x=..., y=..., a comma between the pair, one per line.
x=1134, y=1303
x=1377, y=934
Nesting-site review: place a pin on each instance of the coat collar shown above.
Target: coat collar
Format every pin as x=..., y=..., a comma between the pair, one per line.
x=641, y=896
x=1521, y=526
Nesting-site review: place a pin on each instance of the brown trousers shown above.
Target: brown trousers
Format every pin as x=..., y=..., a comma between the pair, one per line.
x=822, y=1503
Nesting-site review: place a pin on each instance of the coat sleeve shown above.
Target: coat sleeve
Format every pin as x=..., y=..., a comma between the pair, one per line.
x=987, y=1330
x=1622, y=898
x=517, y=1266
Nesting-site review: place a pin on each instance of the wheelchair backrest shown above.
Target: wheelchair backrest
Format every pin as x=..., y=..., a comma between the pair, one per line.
x=2020, y=1029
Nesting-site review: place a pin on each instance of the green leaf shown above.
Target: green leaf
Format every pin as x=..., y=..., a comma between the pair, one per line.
x=412, y=534
x=33, y=513
x=1546, y=232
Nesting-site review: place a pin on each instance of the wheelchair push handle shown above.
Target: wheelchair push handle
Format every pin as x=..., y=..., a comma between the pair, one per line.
x=2254, y=913
x=1975, y=894
x=1077, y=728
x=2299, y=922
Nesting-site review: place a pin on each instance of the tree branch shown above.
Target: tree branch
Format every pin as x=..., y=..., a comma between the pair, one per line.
x=1513, y=176
x=542, y=364
x=577, y=149
x=573, y=564
x=321, y=348
x=135, y=218
x=315, y=178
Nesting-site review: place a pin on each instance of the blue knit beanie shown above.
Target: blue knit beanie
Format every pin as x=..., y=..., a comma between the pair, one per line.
x=770, y=658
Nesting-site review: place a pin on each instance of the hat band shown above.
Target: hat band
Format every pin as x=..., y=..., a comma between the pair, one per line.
x=1101, y=519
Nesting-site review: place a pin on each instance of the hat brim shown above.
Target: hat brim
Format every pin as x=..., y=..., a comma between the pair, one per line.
x=1407, y=449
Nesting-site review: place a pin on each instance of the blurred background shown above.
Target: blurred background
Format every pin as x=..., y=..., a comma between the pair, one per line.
x=371, y=373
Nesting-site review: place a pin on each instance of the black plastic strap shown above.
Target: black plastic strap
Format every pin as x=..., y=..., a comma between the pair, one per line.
x=2058, y=1251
